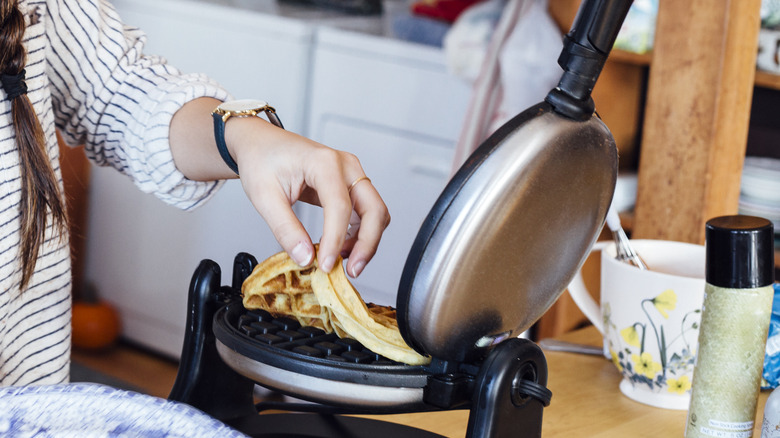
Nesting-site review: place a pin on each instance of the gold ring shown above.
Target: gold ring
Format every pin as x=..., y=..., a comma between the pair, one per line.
x=354, y=183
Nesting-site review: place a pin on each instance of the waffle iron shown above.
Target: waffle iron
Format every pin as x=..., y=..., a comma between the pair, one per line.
x=495, y=252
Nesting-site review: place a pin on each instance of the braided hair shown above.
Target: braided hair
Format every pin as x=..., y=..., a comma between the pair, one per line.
x=40, y=190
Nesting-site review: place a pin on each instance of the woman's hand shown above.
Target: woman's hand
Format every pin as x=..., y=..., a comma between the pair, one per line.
x=278, y=168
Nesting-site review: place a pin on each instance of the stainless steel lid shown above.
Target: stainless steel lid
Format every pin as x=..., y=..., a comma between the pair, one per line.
x=507, y=234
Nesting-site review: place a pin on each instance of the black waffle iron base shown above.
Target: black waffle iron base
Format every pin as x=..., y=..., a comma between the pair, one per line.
x=228, y=350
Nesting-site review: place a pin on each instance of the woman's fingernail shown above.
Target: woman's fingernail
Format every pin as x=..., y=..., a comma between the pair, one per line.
x=301, y=254
x=357, y=268
x=327, y=264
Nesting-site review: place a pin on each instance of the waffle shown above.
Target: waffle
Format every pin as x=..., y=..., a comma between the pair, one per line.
x=326, y=301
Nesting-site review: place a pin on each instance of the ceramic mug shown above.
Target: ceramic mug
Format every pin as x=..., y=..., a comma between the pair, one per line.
x=649, y=318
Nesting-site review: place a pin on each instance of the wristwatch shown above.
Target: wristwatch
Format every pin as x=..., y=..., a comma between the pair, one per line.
x=238, y=108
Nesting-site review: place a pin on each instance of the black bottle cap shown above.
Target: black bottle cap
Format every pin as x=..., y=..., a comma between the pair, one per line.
x=740, y=252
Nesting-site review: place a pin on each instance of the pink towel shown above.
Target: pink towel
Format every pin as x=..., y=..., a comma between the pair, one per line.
x=540, y=41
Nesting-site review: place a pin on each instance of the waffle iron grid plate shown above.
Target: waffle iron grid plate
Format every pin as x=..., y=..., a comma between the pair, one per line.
x=308, y=363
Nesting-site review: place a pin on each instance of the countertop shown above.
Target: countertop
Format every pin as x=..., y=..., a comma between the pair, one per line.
x=586, y=402
x=379, y=25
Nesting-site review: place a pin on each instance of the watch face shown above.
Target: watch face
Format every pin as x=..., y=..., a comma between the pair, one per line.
x=242, y=105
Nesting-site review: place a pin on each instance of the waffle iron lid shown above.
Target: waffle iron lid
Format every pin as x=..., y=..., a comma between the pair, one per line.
x=507, y=234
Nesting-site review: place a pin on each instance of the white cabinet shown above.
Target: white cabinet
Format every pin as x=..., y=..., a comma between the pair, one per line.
x=253, y=55
x=393, y=105
x=141, y=253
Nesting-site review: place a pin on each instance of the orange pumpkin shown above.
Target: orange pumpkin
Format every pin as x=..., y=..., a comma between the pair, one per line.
x=95, y=324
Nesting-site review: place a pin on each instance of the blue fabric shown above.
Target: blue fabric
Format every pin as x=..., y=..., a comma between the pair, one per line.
x=91, y=410
x=771, y=373
x=420, y=30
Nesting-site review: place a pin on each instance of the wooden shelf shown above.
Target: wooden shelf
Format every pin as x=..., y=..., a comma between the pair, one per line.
x=767, y=80
x=763, y=79
x=777, y=261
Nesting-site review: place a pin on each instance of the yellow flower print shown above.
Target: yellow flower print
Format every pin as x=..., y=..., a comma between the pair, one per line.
x=616, y=360
x=630, y=335
x=679, y=386
x=665, y=302
x=644, y=364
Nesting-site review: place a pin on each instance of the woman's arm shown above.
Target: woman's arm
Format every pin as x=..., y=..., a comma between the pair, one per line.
x=277, y=169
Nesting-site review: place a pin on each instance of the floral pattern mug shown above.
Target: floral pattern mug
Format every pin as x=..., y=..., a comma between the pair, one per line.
x=649, y=319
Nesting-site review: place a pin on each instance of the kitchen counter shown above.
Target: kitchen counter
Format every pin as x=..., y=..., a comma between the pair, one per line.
x=378, y=25
x=586, y=402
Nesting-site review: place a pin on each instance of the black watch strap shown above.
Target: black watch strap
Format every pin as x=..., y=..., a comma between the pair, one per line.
x=219, y=136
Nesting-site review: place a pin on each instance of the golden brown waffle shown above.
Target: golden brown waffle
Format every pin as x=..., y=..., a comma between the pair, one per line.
x=327, y=301
x=284, y=289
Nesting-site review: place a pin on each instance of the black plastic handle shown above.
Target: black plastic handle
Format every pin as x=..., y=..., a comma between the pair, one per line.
x=585, y=50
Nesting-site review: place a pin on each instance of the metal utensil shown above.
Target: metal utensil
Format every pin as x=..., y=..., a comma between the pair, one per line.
x=625, y=252
x=570, y=347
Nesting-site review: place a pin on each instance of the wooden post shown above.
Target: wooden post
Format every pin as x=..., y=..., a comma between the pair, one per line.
x=697, y=114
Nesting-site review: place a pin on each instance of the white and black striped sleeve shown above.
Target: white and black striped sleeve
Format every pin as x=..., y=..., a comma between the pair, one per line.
x=117, y=101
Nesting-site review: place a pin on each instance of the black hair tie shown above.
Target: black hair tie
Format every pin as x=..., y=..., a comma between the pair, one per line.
x=14, y=85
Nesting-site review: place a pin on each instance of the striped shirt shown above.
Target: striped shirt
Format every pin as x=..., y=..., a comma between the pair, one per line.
x=87, y=77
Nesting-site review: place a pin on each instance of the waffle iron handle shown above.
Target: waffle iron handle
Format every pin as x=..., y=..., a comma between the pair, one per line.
x=243, y=265
x=585, y=50
x=203, y=380
x=510, y=392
